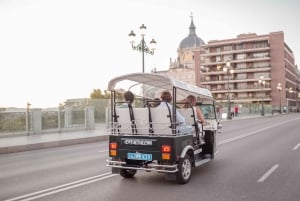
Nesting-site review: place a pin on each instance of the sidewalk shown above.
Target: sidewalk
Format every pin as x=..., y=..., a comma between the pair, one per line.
x=40, y=141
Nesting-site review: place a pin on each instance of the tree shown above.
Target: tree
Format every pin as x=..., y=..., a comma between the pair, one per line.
x=96, y=94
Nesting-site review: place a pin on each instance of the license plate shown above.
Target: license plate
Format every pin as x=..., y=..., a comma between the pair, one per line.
x=139, y=156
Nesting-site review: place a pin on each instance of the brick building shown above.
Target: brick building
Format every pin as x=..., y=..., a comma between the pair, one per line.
x=252, y=58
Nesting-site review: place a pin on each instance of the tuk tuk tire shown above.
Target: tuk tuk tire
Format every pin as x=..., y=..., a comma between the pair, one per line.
x=127, y=173
x=184, y=170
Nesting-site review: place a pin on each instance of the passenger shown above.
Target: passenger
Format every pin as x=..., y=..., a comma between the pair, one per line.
x=129, y=98
x=191, y=102
x=156, y=102
x=166, y=98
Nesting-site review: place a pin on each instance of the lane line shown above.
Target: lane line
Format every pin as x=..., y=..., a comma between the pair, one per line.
x=252, y=133
x=268, y=173
x=104, y=175
x=68, y=188
x=102, y=151
x=296, y=147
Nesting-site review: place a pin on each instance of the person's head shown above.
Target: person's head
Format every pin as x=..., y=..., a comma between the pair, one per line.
x=128, y=96
x=190, y=101
x=166, y=96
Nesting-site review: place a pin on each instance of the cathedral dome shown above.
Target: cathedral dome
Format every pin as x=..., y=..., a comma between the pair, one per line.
x=192, y=40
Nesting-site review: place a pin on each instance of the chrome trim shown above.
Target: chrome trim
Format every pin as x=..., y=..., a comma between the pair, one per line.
x=149, y=168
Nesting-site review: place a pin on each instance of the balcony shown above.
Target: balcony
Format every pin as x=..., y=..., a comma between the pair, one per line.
x=249, y=59
x=236, y=51
x=239, y=70
x=235, y=90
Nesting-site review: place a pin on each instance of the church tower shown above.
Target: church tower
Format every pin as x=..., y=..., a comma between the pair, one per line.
x=183, y=68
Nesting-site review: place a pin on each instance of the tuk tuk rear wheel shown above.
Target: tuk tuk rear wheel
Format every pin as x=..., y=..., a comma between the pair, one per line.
x=185, y=170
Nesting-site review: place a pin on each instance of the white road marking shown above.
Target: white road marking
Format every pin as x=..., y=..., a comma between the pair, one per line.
x=268, y=173
x=296, y=147
x=252, y=133
x=64, y=187
x=102, y=151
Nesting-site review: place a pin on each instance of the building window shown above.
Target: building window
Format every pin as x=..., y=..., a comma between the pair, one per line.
x=241, y=66
x=241, y=76
x=260, y=45
x=240, y=56
x=261, y=64
x=228, y=48
x=258, y=75
x=239, y=46
x=261, y=55
x=242, y=85
x=243, y=95
x=228, y=57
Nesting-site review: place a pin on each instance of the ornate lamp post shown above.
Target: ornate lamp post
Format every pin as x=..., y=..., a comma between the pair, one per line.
x=142, y=46
x=262, y=83
x=279, y=87
x=229, y=71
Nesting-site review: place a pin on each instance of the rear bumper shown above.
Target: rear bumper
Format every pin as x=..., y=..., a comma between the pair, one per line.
x=151, y=167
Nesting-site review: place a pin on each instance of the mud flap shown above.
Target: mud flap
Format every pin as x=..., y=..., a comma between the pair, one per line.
x=115, y=170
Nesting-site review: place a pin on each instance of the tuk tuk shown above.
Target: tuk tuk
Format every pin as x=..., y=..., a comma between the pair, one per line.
x=144, y=137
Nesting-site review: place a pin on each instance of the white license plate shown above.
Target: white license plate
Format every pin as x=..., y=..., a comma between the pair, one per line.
x=139, y=156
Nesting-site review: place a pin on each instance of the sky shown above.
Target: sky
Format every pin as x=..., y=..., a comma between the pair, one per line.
x=53, y=50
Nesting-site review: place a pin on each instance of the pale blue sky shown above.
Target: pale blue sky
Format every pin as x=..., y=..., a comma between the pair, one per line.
x=53, y=50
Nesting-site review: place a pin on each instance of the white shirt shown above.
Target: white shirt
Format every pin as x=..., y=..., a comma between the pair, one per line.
x=179, y=118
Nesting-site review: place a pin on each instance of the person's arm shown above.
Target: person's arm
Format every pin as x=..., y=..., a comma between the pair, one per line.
x=200, y=115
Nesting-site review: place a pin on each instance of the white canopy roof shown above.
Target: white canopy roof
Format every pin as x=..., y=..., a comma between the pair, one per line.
x=162, y=82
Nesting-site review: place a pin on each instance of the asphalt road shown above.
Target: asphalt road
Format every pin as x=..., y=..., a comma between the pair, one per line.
x=258, y=160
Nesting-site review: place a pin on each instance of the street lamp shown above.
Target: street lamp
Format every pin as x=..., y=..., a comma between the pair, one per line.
x=142, y=46
x=228, y=70
x=262, y=83
x=279, y=87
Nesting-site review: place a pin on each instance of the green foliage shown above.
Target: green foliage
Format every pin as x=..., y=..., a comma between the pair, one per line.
x=96, y=94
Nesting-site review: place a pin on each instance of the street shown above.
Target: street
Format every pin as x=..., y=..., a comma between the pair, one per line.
x=258, y=160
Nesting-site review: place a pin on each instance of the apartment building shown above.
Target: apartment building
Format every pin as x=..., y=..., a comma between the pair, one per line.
x=262, y=68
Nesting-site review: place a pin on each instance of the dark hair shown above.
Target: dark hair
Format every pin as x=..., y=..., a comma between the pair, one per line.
x=166, y=96
x=189, y=100
x=128, y=96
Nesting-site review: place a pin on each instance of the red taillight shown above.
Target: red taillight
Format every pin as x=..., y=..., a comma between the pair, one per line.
x=165, y=148
x=113, y=145
x=113, y=149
